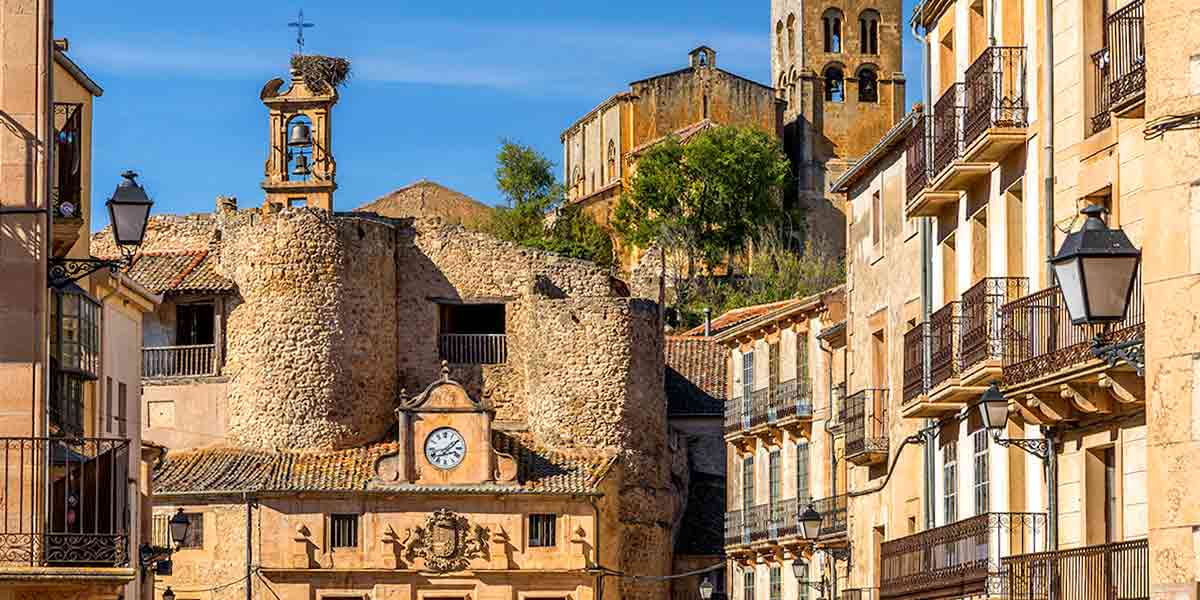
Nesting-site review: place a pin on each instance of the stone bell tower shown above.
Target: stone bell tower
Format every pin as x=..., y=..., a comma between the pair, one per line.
x=300, y=169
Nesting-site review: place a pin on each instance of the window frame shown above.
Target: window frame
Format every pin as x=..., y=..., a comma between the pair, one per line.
x=982, y=484
x=803, y=464
x=950, y=481
x=748, y=584
x=775, y=577
x=542, y=530
x=748, y=482
x=195, y=531
x=353, y=520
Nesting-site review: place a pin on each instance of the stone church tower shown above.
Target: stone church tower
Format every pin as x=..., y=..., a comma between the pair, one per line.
x=300, y=169
x=836, y=63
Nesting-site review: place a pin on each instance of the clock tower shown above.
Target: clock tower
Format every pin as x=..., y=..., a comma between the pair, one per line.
x=444, y=437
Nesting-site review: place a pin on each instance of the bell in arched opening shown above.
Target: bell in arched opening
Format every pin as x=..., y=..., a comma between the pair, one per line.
x=301, y=167
x=300, y=135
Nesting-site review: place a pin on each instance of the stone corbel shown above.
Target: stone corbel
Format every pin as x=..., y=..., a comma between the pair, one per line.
x=1125, y=387
x=1053, y=408
x=1085, y=401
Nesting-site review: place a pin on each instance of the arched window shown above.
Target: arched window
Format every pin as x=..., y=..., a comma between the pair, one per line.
x=577, y=176
x=783, y=87
x=793, y=82
x=835, y=84
x=868, y=85
x=791, y=28
x=612, y=160
x=832, y=20
x=868, y=31
x=779, y=40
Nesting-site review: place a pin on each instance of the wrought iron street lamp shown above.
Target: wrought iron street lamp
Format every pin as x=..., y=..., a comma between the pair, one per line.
x=993, y=411
x=706, y=589
x=179, y=525
x=128, y=212
x=1096, y=268
x=809, y=523
x=159, y=556
x=168, y=594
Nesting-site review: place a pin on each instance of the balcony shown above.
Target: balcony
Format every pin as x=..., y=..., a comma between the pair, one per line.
x=764, y=528
x=960, y=559
x=1101, y=117
x=473, y=348
x=1126, y=35
x=865, y=418
x=66, y=194
x=165, y=362
x=944, y=344
x=916, y=375
x=980, y=327
x=996, y=109
x=920, y=201
x=1102, y=572
x=788, y=407
x=1048, y=365
x=859, y=594
x=66, y=505
x=951, y=171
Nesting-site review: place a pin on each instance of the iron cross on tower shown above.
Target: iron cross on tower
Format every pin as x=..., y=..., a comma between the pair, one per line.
x=300, y=24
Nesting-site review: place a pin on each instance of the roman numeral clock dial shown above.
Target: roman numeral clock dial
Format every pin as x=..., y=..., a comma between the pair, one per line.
x=445, y=448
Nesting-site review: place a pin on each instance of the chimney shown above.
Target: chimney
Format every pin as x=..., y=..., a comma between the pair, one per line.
x=707, y=322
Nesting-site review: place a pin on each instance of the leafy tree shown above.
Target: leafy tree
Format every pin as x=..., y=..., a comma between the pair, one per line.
x=526, y=179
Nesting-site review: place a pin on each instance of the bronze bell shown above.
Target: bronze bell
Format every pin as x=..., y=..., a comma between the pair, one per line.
x=301, y=167
x=300, y=135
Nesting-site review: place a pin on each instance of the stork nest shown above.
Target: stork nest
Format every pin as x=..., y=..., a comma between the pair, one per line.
x=321, y=73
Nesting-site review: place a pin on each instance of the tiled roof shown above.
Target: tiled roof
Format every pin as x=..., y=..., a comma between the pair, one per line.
x=683, y=135
x=704, y=516
x=696, y=375
x=185, y=271
x=236, y=470
x=737, y=316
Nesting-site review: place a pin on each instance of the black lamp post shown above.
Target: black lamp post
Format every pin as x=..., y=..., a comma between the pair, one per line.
x=128, y=212
x=160, y=556
x=706, y=589
x=1096, y=268
x=168, y=594
x=993, y=412
x=809, y=523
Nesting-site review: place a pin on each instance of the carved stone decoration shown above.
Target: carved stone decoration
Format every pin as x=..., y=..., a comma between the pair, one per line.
x=447, y=542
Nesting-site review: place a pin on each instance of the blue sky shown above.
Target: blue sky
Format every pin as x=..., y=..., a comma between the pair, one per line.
x=436, y=85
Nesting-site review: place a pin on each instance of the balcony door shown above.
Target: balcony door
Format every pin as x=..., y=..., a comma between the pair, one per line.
x=194, y=324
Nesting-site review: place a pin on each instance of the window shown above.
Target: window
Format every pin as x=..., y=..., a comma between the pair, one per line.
x=195, y=531
x=108, y=405
x=791, y=31
x=472, y=334
x=541, y=530
x=1112, y=502
x=803, y=579
x=747, y=375
x=748, y=585
x=748, y=483
x=297, y=202
x=834, y=85
x=980, y=440
x=194, y=324
x=868, y=85
x=612, y=159
x=802, y=363
x=779, y=40
x=343, y=531
x=868, y=31
x=773, y=476
x=832, y=21
x=122, y=416
x=876, y=219
x=773, y=367
x=783, y=87
x=950, y=481
x=803, y=495
x=776, y=583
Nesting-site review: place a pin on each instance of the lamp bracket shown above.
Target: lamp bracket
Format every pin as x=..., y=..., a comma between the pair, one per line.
x=1132, y=353
x=62, y=271
x=148, y=555
x=1037, y=447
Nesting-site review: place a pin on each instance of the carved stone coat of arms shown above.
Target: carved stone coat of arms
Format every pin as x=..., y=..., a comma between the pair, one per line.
x=447, y=542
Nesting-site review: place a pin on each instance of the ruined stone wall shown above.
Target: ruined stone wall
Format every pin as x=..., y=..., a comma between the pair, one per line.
x=310, y=347
x=164, y=233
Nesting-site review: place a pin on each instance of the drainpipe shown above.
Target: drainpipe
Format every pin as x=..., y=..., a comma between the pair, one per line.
x=1051, y=466
x=1047, y=92
x=829, y=436
x=249, y=548
x=599, y=593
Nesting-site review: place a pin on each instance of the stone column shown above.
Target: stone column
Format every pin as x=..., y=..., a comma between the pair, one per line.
x=404, y=450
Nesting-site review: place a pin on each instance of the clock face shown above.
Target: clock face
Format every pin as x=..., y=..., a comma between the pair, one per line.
x=445, y=448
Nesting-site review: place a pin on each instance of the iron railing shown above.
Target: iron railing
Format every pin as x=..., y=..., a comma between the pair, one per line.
x=994, y=92
x=1125, y=33
x=859, y=594
x=979, y=324
x=792, y=398
x=473, y=348
x=943, y=344
x=947, y=130
x=65, y=502
x=1101, y=118
x=196, y=360
x=777, y=520
x=66, y=191
x=1116, y=571
x=1039, y=339
x=833, y=514
x=866, y=422
x=964, y=556
x=916, y=158
x=916, y=375
x=736, y=532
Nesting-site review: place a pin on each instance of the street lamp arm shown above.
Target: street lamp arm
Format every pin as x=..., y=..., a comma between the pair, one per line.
x=1037, y=447
x=62, y=271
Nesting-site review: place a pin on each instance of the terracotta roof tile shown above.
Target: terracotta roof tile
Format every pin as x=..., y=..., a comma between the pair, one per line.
x=683, y=134
x=696, y=374
x=737, y=316
x=184, y=271
x=235, y=470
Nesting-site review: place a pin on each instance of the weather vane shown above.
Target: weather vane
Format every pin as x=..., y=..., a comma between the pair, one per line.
x=300, y=24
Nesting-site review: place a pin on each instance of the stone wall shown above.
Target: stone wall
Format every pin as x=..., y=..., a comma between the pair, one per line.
x=164, y=233
x=309, y=349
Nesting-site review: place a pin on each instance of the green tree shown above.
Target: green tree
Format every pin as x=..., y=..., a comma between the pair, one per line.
x=526, y=179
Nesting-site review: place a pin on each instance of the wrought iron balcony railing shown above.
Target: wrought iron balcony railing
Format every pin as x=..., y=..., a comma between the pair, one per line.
x=1126, y=36
x=994, y=92
x=759, y=402
x=916, y=158
x=943, y=344
x=979, y=323
x=792, y=398
x=916, y=375
x=67, y=186
x=859, y=594
x=65, y=502
x=1120, y=570
x=1101, y=118
x=473, y=348
x=965, y=556
x=947, y=130
x=197, y=360
x=774, y=521
x=866, y=422
x=1039, y=339
x=833, y=514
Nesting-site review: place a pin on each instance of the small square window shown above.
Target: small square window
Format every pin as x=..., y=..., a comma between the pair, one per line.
x=297, y=202
x=541, y=530
x=343, y=531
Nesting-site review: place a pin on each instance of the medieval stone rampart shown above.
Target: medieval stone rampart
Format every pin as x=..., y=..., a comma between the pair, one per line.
x=310, y=348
